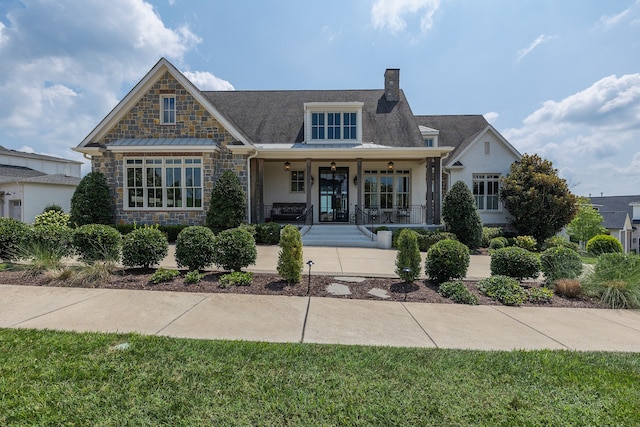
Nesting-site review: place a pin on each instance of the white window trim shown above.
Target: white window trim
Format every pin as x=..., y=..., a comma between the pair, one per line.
x=303, y=180
x=485, y=180
x=383, y=173
x=175, y=110
x=183, y=165
x=332, y=107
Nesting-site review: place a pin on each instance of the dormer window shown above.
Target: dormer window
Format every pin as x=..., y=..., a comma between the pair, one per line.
x=429, y=136
x=168, y=109
x=333, y=122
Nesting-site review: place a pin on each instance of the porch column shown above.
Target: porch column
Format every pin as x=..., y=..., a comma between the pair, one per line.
x=257, y=186
x=360, y=181
x=308, y=183
x=430, y=188
x=437, y=190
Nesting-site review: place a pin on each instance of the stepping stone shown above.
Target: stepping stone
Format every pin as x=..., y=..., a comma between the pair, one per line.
x=380, y=293
x=350, y=279
x=338, y=289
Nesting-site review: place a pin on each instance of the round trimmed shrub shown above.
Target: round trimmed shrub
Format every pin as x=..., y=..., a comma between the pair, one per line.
x=488, y=234
x=603, y=244
x=447, y=259
x=268, y=233
x=290, y=256
x=526, y=242
x=144, y=246
x=13, y=234
x=234, y=249
x=97, y=242
x=408, y=257
x=52, y=217
x=498, y=243
x=560, y=262
x=460, y=214
x=195, y=247
x=503, y=289
x=515, y=262
x=457, y=292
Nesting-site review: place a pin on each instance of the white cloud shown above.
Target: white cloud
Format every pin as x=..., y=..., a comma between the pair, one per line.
x=66, y=64
x=491, y=116
x=390, y=14
x=632, y=13
x=591, y=136
x=527, y=50
x=207, y=81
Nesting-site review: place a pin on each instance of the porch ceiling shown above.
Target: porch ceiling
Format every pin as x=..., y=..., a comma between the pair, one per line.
x=289, y=151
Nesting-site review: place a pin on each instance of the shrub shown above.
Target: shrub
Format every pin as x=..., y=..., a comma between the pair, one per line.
x=615, y=280
x=268, y=233
x=498, y=243
x=569, y=288
x=503, y=289
x=460, y=214
x=237, y=278
x=408, y=257
x=170, y=231
x=97, y=271
x=526, y=242
x=97, y=242
x=13, y=234
x=457, y=292
x=91, y=201
x=560, y=262
x=144, y=246
x=56, y=239
x=562, y=241
x=447, y=259
x=195, y=247
x=193, y=276
x=515, y=262
x=603, y=244
x=430, y=238
x=163, y=275
x=52, y=217
x=42, y=257
x=290, y=256
x=542, y=294
x=488, y=234
x=53, y=207
x=234, y=249
x=228, y=205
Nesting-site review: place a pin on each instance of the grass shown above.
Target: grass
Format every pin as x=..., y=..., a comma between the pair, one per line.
x=64, y=378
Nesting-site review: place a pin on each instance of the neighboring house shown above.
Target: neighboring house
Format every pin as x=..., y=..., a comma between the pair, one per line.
x=351, y=155
x=621, y=217
x=29, y=182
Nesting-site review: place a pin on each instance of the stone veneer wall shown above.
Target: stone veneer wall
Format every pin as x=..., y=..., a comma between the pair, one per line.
x=192, y=121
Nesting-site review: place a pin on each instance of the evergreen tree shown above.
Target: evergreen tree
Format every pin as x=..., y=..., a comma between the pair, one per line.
x=408, y=257
x=460, y=214
x=290, y=256
x=228, y=205
x=91, y=202
x=537, y=198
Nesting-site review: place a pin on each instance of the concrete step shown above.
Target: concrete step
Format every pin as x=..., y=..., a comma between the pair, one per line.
x=343, y=235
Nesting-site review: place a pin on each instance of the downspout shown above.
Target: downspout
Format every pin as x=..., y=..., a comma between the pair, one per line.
x=252, y=156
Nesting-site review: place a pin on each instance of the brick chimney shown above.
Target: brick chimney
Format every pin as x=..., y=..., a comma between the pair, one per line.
x=392, y=84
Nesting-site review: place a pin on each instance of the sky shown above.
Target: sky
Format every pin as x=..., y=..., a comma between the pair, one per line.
x=558, y=78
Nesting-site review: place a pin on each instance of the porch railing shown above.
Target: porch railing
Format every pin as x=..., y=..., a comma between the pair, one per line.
x=306, y=218
x=370, y=216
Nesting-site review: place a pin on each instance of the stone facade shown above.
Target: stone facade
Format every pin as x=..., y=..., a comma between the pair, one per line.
x=192, y=121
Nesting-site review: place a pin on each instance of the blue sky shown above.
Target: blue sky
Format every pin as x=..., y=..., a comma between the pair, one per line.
x=560, y=78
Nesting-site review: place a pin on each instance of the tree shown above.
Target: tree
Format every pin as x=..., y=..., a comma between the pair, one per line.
x=460, y=214
x=228, y=205
x=408, y=258
x=91, y=201
x=586, y=224
x=290, y=256
x=539, y=201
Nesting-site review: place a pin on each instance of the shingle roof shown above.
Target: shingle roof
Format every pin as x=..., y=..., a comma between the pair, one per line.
x=268, y=117
x=6, y=151
x=11, y=173
x=22, y=174
x=455, y=130
x=614, y=209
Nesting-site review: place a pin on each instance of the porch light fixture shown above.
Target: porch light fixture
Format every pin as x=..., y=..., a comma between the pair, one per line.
x=333, y=166
x=287, y=166
x=390, y=166
x=355, y=180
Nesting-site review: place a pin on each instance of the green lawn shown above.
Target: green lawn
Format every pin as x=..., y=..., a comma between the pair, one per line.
x=53, y=378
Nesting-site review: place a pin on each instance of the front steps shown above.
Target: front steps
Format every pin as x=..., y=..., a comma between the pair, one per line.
x=342, y=235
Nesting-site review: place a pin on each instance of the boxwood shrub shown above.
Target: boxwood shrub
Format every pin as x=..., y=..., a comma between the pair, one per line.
x=13, y=234
x=447, y=259
x=515, y=262
x=144, y=246
x=526, y=242
x=603, y=244
x=97, y=242
x=195, y=247
x=498, y=243
x=268, y=233
x=234, y=249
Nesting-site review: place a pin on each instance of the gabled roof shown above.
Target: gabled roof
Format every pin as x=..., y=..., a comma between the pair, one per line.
x=14, y=153
x=20, y=174
x=614, y=209
x=276, y=117
x=123, y=107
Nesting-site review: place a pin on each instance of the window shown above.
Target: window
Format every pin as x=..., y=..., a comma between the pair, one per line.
x=428, y=142
x=163, y=183
x=333, y=125
x=486, y=190
x=487, y=148
x=297, y=182
x=387, y=189
x=168, y=109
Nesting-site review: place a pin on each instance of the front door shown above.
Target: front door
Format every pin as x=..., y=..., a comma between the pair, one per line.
x=334, y=195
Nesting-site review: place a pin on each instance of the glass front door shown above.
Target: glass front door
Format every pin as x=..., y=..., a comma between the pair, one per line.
x=334, y=195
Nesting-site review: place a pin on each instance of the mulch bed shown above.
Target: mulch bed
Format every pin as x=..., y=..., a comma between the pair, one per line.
x=272, y=284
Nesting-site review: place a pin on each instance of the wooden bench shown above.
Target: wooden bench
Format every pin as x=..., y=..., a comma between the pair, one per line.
x=287, y=211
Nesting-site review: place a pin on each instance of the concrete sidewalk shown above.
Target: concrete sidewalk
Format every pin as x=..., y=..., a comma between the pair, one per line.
x=318, y=320
x=321, y=320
